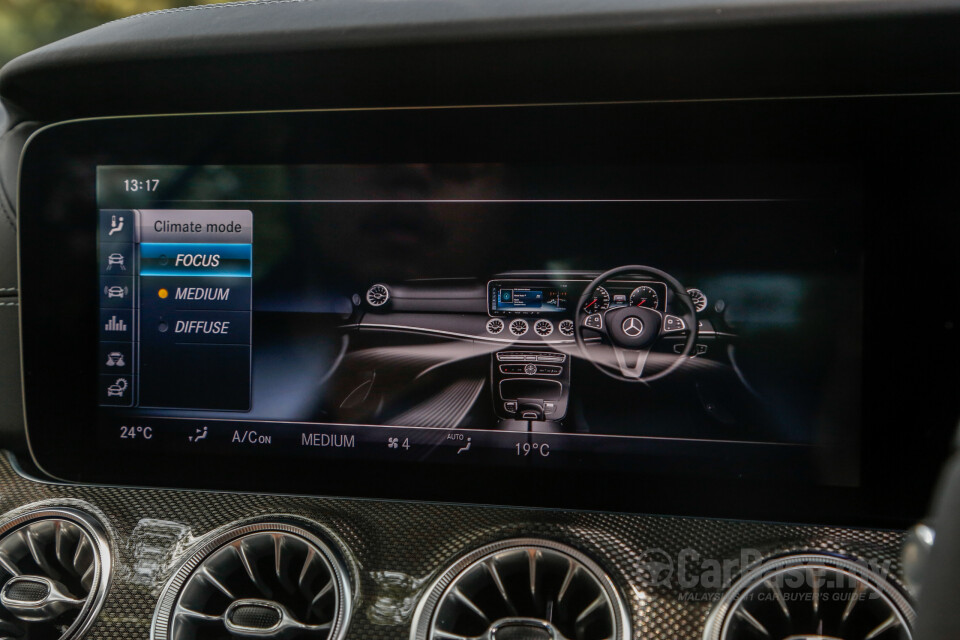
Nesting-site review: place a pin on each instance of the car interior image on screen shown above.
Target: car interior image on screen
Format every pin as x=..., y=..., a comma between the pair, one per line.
x=433, y=320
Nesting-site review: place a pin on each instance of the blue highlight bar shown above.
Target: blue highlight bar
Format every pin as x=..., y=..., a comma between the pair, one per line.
x=196, y=259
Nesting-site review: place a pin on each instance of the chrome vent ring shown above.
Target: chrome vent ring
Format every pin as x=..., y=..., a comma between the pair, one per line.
x=543, y=328
x=698, y=298
x=378, y=295
x=519, y=327
x=265, y=580
x=494, y=326
x=54, y=574
x=525, y=588
x=816, y=596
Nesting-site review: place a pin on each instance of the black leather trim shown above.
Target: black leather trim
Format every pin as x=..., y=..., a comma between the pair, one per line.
x=339, y=53
x=11, y=144
x=8, y=250
x=11, y=399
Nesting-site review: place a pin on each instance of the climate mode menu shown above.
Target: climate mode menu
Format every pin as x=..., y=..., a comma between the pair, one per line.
x=188, y=273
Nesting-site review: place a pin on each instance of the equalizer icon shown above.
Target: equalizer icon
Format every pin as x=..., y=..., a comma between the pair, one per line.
x=113, y=324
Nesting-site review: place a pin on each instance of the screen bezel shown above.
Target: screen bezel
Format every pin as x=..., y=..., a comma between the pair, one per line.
x=57, y=204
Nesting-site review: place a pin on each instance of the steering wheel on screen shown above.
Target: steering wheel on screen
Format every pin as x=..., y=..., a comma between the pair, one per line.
x=630, y=332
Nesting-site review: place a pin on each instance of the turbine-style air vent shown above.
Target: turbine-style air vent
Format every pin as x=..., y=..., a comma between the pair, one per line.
x=519, y=327
x=55, y=569
x=378, y=295
x=262, y=581
x=811, y=597
x=522, y=590
x=494, y=325
x=543, y=328
x=698, y=299
x=566, y=327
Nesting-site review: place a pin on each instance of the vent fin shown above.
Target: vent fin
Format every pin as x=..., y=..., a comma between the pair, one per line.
x=884, y=626
x=196, y=615
x=58, y=541
x=491, y=566
x=209, y=577
x=571, y=571
x=8, y=565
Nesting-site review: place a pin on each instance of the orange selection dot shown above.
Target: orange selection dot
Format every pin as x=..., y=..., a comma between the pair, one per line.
x=163, y=293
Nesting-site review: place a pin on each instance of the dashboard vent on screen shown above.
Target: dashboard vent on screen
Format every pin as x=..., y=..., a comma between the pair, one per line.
x=494, y=325
x=811, y=597
x=543, y=328
x=519, y=327
x=566, y=327
x=267, y=580
x=522, y=589
x=55, y=569
x=698, y=299
x=378, y=295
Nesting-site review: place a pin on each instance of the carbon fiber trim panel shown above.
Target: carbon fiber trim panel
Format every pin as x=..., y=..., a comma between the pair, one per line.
x=665, y=567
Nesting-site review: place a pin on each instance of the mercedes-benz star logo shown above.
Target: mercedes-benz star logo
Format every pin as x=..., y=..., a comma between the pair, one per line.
x=632, y=326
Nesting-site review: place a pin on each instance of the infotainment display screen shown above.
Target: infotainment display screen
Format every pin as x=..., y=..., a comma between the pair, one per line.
x=376, y=304
x=518, y=297
x=416, y=312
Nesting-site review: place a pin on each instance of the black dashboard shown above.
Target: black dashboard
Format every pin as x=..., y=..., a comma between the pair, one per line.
x=524, y=323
